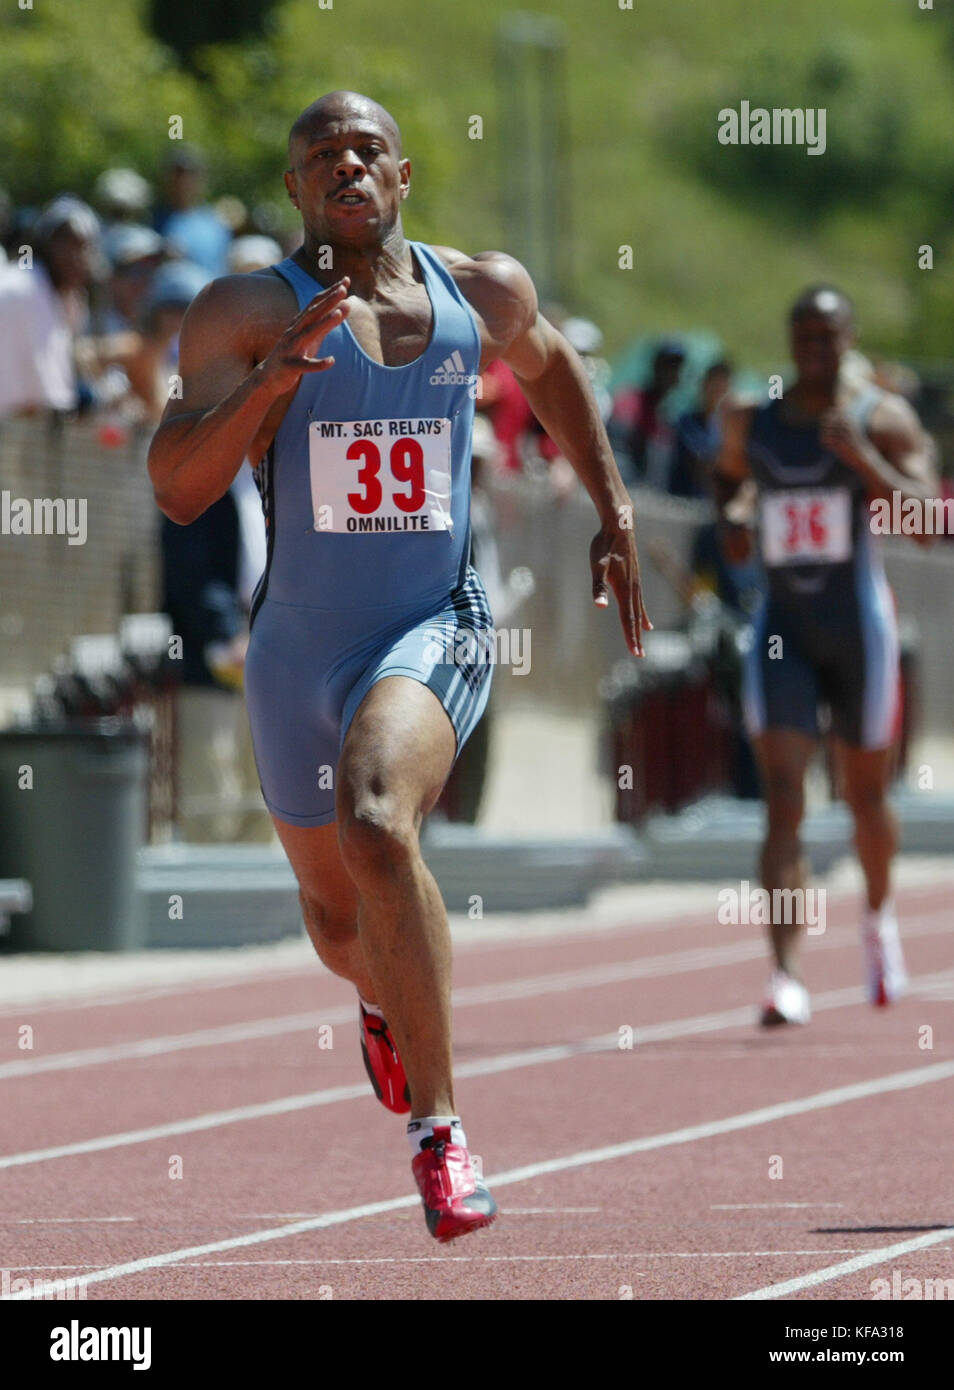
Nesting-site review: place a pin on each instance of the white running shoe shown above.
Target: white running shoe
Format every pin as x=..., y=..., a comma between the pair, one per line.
x=886, y=976
x=787, y=1002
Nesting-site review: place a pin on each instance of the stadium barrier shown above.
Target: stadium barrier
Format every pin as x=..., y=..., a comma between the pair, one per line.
x=52, y=590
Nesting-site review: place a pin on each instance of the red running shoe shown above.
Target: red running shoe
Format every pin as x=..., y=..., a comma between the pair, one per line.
x=456, y=1198
x=382, y=1063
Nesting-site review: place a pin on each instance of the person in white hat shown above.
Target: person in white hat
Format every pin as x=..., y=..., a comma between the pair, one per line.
x=43, y=306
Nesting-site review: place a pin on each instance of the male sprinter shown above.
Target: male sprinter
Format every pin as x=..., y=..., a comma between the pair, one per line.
x=358, y=697
x=826, y=633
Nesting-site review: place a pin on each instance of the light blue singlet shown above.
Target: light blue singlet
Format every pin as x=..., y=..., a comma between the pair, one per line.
x=366, y=494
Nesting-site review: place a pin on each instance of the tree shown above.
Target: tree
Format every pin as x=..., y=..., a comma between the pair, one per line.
x=186, y=26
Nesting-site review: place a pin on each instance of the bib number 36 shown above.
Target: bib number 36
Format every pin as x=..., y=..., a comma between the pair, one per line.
x=803, y=526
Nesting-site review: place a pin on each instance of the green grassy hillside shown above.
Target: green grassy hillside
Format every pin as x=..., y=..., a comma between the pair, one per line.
x=722, y=237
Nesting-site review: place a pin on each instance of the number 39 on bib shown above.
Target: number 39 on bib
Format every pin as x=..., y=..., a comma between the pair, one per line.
x=376, y=476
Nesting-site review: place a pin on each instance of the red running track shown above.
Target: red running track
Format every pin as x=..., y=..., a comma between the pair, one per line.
x=708, y=1160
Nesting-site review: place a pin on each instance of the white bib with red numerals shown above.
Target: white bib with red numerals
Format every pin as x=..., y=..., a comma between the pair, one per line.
x=378, y=476
x=804, y=527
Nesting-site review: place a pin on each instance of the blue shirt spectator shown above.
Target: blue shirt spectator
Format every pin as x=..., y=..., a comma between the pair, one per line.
x=698, y=436
x=194, y=228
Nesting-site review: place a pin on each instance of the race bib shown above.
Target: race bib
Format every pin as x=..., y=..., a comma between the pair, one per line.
x=802, y=527
x=369, y=477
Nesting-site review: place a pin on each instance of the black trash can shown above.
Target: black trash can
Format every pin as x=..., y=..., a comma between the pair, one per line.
x=73, y=807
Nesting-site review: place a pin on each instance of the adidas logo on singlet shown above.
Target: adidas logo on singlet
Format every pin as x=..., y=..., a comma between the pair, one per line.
x=453, y=372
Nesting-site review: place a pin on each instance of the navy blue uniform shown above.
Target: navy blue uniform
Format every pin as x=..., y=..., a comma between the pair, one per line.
x=828, y=599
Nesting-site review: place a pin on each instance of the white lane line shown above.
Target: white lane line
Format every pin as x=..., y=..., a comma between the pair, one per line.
x=474, y=1259
x=487, y=1066
x=549, y=1211
x=95, y=998
x=490, y=1259
x=60, y=1220
x=287, y=1105
x=504, y=991
x=258, y=972
x=768, y=1206
x=468, y=996
x=509, y=1211
x=865, y=1261
x=332, y=1218
x=269, y=973
x=822, y=1100
x=178, y=1042
x=275, y=1215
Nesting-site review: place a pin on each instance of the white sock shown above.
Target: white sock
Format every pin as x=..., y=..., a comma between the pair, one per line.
x=874, y=918
x=419, y=1130
x=371, y=1008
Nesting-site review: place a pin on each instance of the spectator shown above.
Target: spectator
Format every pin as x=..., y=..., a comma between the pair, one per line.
x=195, y=228
x=233, y=213
x=43, y=307
x=155, y=356
x=524, y=444
x=134, y=254
x=122, y=195
x=585, y=337
x=648, y=437
x=146, y=359
x=698, y=435
x=507, y=410
x=106, y=359
x=248, y=253
x=541, y=451
x=738, y=586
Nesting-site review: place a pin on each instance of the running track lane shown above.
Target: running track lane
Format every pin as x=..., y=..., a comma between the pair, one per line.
x=643, y=1169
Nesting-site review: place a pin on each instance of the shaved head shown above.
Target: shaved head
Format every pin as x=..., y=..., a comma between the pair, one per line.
x=823, y=301
x=338, y=107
